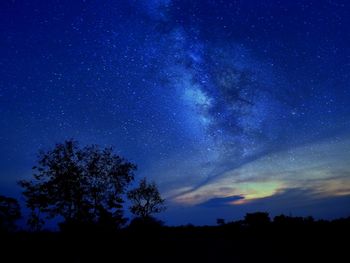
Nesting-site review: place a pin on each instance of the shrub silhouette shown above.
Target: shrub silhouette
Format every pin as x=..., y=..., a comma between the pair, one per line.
x=292, y=221
x=220, y=221
x=145, y=223
x=257, y=219
x=82, y=185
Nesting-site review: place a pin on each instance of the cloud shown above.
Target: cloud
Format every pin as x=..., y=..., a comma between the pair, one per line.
x=224, y=201
x=302, y=202
x=321, y=168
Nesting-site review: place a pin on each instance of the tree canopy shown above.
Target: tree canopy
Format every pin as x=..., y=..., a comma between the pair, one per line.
x=80, y=184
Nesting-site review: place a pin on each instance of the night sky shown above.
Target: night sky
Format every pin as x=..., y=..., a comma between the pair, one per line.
x=229, y=106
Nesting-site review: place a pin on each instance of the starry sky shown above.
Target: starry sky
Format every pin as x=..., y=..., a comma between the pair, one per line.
x=229, y=106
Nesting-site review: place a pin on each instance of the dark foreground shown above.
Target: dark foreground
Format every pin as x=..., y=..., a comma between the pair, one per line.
x=286, y=241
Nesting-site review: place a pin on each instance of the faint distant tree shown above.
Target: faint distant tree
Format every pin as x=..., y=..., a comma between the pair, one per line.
x=146, y=200
x=35, y=222
x=9, y=213
x=220, y=221
x=82, y=185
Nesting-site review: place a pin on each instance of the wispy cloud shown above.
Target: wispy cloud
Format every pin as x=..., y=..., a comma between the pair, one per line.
x=321, y=168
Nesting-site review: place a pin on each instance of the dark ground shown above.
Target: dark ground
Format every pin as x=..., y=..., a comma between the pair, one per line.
x=234, y=242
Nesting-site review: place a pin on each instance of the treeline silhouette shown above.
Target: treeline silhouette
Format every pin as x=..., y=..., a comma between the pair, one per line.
x=86, y=189
x=256, y=238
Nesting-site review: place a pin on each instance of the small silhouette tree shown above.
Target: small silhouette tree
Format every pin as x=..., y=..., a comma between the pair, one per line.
x=9, y=213
x=146, y=200
x=82, y=185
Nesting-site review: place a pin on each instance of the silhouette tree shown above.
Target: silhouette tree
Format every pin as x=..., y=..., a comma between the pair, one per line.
x=82, y=185
x=146, y=200
x=257, y=219
x=9, y=213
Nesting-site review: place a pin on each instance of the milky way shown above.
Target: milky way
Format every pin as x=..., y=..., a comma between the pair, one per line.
x=219, y=102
